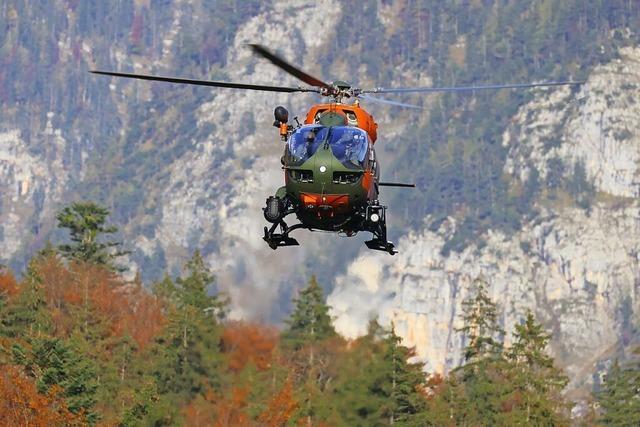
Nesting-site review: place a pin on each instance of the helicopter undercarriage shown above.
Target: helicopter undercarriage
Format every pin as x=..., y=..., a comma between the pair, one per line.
x=371, y=219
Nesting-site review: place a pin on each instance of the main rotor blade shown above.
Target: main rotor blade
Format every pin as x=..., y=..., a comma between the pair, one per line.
x=207, y=82
x=291, y=69
x=470, y=88
x=386, y=101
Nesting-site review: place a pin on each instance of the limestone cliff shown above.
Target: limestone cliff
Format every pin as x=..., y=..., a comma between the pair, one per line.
x=577, y=269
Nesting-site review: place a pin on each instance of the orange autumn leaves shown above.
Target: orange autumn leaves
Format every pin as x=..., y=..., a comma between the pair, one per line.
x=246, y=343
x=80, y=295
x=82, y=289
x=231, y=410
x=21, y=404
x=8, y=284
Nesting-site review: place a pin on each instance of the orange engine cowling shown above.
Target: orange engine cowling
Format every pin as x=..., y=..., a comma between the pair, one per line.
x=356, y=116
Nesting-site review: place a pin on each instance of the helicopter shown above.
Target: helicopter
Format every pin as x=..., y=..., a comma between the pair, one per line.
x=331, y=171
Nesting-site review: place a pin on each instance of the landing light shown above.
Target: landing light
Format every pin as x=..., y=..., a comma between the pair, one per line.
x=374, y=217
x=323, y=169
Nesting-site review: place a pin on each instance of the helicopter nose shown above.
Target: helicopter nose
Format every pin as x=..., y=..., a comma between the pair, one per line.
x=323, y=167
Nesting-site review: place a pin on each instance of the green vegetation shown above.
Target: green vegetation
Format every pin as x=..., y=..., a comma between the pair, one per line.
x=86, y=224
x=620, y=398
x=85, y=346
x=310, y=321
x=517, y=385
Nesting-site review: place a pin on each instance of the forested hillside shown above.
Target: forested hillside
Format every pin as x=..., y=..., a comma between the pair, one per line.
x=535, y=192
x=79, y=345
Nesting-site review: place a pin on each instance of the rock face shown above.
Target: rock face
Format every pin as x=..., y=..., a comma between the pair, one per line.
x=577, y=270
x=598, y=127
x=28, y=185
x=214, y=190
x=217, y=189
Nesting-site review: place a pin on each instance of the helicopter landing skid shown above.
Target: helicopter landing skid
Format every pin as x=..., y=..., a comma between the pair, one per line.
x=275, y=240
x=381, y=245
x=379, y=229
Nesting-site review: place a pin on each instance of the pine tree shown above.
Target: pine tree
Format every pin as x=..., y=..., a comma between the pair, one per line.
x=86, y=222
x=356, y=393
x=187, y=355
x=378, y=385
x=481, y=327
x=310, y=321
x=27, y=315
x=143, y=400
x=309, y=340
x=535, y=383
x=192, y=290
x=480, y=381
x=400, y=382
x=54, y=362
x=620, y=399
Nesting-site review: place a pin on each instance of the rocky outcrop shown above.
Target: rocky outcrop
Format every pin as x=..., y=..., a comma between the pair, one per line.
x=597, y=126
x=29, y=185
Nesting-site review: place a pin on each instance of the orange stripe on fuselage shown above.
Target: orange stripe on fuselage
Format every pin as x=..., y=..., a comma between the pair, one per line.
x=338, y=203
x=367, y=181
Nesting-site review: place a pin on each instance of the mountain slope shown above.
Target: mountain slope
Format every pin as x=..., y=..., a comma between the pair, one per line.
x=524, y=187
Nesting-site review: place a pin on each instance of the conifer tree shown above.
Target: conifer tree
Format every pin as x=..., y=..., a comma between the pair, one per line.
x=143, y=401
x=480, y=381
x=28, y=315
x=400, y=382
x=86, y=222
x=535, y=383
x=54, y=362
x=481, y=327
x=357, y=395
x=379, y=385
x=620, y=399
x=310, y=321
x=187, y=356
x=308, y=337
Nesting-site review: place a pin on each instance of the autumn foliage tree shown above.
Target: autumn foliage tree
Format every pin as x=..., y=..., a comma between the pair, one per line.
x=8, y=284
x=280, y=408
x=22, y=404
x=248, y=343
x=186, y=356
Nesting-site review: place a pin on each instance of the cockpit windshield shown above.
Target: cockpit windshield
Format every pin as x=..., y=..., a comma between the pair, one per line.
x=304, y=143
x=348, y=144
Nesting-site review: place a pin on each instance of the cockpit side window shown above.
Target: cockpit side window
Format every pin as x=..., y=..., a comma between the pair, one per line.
x=316, y=119
x=352, y=120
